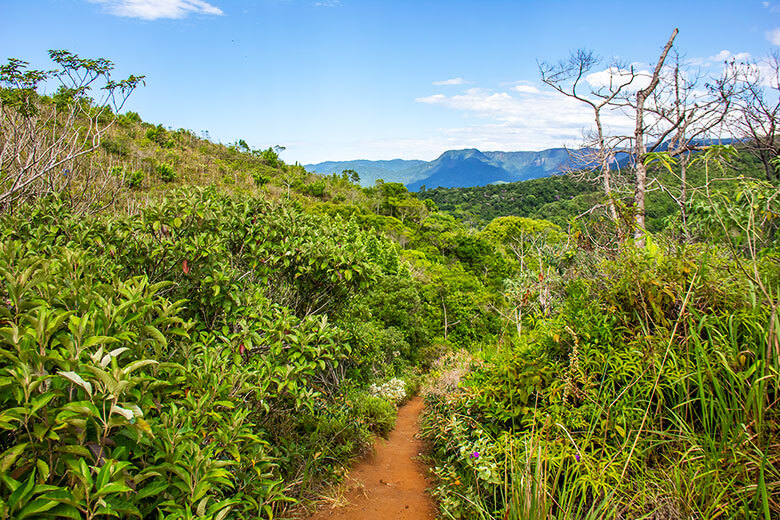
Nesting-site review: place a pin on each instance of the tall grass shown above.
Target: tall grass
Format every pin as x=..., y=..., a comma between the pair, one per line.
x=665, y=409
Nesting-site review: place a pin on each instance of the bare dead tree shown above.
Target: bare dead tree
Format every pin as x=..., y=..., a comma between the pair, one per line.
x=42, y=136
x=620, y=94
x=640, y=145
x=567, y=77
x=759, y=112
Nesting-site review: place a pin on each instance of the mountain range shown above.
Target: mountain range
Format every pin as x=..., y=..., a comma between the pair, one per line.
x=455, y=168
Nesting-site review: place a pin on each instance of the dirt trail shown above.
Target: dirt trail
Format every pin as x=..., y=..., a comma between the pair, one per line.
x=390, y=484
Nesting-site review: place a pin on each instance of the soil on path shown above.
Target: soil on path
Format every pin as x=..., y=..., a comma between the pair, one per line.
x=390, y=484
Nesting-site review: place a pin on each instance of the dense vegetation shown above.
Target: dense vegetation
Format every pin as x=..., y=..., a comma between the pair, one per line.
x=628, y=382
x=193, y=330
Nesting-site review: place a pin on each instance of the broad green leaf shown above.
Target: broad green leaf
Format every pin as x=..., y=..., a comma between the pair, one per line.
x=39, y=505
x=154, y=488
x=22, y=493
x=156, y=334
x=10, y=455
x=74, y=378
x=135, y=365
x=65, y=511
x=113, y=487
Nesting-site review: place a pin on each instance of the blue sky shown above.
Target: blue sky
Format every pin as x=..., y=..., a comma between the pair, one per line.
x=373, y=79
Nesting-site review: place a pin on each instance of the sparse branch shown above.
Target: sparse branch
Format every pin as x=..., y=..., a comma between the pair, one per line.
x=41, y=135
x=599, y=151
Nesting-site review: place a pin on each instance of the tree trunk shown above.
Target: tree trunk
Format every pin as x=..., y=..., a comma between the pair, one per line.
x=768, y=170
x=640, y=183
x=683, y=196
x=608, y=189
x=640, y=150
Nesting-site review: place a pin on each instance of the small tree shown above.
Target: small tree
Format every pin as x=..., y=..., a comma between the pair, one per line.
x=41, y=136
x=691, y=113
x=759, y=112
x=568, y=75
x=352, y=175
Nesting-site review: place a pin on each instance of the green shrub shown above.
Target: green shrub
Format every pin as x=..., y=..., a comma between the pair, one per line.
x=135, y=178
x=119, y=147
x=157, y=134
x=163, y=357
x=316, y=189
x=376, y=413
x=132, y=116
x=166, y=172
x=261, y=177
x=659, y=350
x=271, y=158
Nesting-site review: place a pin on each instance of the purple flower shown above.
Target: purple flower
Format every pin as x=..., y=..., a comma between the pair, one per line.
x=577, y=456
x=475, y=455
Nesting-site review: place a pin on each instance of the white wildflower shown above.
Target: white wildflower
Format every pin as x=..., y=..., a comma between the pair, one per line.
x=393, y=390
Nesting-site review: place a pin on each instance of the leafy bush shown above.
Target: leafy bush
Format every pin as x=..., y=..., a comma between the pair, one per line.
x=378, y=414
x=157, y=134
x=166, y=172
x=181, y=359
x=270, y=157
x=118, y=147
x=135, y=178
x=132, y=116
x=607, y=398
x=316, y=189
x=261, y=176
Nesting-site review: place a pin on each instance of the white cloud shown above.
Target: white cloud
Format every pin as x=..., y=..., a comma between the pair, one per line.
x=721, y=56
x=526, y=89
x=764, y=71
x=453, y=81
x=530, y=120
x=725, y=55
x=773, y=8
x=614, y=77
x=773, y=36
x=155, y=9
x=328, y=3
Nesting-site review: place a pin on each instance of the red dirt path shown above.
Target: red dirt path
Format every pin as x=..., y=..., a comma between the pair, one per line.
x=390, y=484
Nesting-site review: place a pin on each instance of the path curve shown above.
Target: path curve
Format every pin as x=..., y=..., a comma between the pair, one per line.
x=389, y=484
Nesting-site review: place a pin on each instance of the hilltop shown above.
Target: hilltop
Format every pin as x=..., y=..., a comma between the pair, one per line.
x=455, y=168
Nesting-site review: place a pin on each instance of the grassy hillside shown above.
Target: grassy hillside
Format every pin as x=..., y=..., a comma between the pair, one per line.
x=202, y=330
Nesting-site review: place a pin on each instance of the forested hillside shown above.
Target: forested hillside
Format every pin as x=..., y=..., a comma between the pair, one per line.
x=561, y=198
x=480, y=205
x=195, y=330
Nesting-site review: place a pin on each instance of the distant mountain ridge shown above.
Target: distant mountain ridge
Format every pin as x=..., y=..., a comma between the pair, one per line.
x=455, y=168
